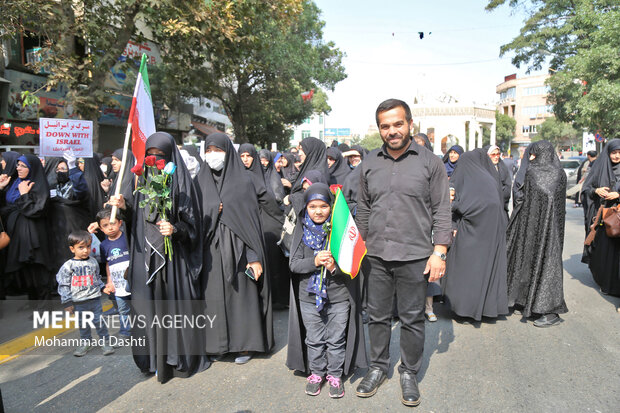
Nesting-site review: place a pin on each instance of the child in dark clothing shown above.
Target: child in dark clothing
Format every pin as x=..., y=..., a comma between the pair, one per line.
x=79, y=286
x=114, y=249
x=323, y=294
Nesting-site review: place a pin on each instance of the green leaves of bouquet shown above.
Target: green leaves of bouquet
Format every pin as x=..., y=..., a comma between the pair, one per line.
x=156, y=190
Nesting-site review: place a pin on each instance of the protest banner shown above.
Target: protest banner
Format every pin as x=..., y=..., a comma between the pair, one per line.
x=57, y=136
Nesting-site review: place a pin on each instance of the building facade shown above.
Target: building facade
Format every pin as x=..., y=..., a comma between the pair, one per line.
x=313, y=126
x=525, y=100
x=454, y=124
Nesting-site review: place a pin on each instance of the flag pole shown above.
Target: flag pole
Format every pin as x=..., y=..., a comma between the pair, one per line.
x=121, y=173
x=119, y=181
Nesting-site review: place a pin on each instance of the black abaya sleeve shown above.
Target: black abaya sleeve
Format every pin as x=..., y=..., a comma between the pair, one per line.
x=31, y=207
x=267, y=201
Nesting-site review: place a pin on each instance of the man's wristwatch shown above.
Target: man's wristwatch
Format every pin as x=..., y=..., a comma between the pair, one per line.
x=440, y=255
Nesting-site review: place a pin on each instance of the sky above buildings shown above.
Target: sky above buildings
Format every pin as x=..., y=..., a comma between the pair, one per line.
x=385, y=58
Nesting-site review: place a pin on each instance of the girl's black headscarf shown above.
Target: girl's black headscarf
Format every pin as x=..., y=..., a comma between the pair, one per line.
x=446, y=158
x=10, y=157
x=272, y=178
x=316, y=158
x=339, y=171
x=231, y=187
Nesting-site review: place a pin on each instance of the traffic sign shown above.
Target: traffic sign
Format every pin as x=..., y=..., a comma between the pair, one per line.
x=598, y=137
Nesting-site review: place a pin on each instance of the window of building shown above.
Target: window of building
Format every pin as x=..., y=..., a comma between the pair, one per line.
x=321, y=135
x=534, y=111
x=320, y=119
x=537, y=90
x=305, y=134
x=508, y=94
x=307, y=121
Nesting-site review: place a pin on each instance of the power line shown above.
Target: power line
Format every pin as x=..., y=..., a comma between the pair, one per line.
x=393, y=32
x=426, y=64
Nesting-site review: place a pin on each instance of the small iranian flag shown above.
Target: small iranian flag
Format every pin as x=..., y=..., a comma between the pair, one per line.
x=141, y=115
x=345, y=243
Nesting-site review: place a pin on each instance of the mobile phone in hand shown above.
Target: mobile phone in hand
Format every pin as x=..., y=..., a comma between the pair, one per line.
x=250, y=273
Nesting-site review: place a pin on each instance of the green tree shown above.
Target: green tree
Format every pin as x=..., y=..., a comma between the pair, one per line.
x=504, y=130
x=371, y=141
x=579, y=40
x=277, y=53
x=83, y=40
x=558, y=133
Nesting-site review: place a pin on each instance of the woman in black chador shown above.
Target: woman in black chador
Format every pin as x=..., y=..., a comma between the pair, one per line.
x=234, y=251
x=69, y=207
x=94, y=176
x=163, y=287
x=602, y=187
x=273, y=182
x=535, y=239
x=24, y=204
x=475, y=280
x=272, y=219
x=338, y=167
x=313, y=156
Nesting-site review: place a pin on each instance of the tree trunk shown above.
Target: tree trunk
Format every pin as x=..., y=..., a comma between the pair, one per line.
x=95, y=135
x=238, y=121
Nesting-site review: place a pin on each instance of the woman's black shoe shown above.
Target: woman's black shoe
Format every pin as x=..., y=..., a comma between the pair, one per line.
x=548, y=320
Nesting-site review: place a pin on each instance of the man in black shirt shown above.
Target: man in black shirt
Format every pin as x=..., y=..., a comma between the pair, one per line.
x=403, y=213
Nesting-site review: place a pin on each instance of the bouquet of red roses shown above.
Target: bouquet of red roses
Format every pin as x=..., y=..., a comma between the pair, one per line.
x=156, y=191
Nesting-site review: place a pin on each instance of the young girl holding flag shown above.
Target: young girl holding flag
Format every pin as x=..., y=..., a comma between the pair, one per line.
x=325, y=299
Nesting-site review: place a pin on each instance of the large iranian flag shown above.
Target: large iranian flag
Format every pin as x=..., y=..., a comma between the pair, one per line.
x=345, y=243
x=141, y=114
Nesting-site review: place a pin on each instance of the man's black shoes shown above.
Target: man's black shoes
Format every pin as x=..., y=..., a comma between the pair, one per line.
x=409, y=386
x=371, y=382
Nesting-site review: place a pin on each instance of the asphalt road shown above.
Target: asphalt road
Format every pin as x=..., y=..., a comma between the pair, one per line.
x=499, y=366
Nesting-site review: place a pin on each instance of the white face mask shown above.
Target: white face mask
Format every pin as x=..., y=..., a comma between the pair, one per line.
x=215, y=160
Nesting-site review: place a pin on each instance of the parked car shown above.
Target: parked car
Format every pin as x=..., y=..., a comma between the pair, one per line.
x=570, y=167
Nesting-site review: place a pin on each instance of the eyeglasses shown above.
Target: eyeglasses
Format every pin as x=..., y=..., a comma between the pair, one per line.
x=495, y=155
